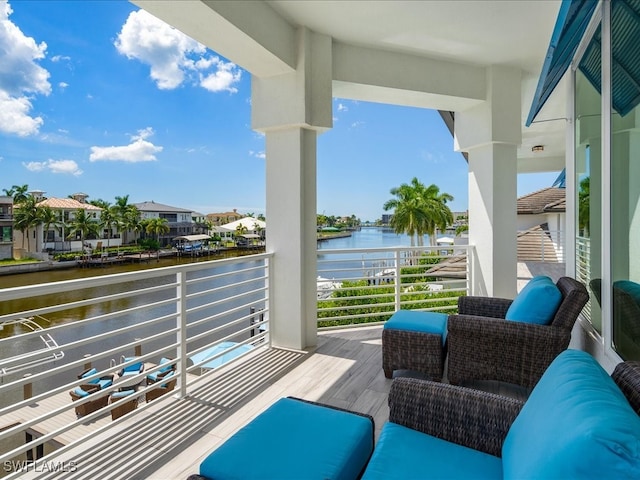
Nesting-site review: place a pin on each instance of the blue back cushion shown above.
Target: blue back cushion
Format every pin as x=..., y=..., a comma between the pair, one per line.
x=537, y=303
x=576, y=424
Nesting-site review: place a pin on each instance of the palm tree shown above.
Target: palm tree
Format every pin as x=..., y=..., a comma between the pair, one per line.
x=409, y=216
x=83, y=224
x=157, y=226
x=108, y=219
x=127, y=215
x=439, y=214
x=47, y=217
x=19, y=193
x=26, y=217
x=419, y=210
x=583, y=207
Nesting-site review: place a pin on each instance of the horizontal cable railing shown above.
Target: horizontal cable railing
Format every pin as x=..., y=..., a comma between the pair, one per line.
x=368, y=285
x=197, y=316
x=537, y=245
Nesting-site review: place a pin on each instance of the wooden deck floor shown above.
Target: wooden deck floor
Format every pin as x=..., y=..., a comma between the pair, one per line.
x=169, y=438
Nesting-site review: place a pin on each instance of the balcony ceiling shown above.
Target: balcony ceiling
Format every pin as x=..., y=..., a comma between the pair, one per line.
x=472, y=33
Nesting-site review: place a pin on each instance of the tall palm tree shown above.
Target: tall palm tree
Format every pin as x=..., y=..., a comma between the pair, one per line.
x=108, y=219
x=83, y=224
x=409, y=216
x=439, y=214
x=157, y=226
x=19, y=193
x=419, y=210
x=127, y=215
x=47, y=217
x=26, y=217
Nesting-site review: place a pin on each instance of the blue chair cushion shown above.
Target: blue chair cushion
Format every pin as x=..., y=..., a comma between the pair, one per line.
x=88, y=373
x=80, y=392
x=416, y=321
x=166, y=368
x=575, y=424
x=122, y=394
x=405, y=453
x=632, y=288
x=103, y=382
x=536, y=303
x=296, y=440
x=133, y=368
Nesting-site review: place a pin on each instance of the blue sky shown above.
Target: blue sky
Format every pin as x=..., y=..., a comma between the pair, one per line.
x=104, y=99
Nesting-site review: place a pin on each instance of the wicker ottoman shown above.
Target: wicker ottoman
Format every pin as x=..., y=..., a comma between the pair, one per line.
x=413, y=340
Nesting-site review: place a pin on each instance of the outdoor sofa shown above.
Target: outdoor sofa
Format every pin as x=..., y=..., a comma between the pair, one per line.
x=577, y=423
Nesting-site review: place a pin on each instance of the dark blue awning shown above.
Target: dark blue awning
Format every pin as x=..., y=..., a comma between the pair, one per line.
x=625, y=53
x=573, y=19
x=570, y=26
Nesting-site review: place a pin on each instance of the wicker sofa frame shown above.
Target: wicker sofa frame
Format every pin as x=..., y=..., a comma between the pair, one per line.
x=473, y=418
x=482, y=345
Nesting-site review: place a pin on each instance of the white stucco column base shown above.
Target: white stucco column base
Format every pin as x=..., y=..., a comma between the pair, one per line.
x=291, y=109
x=490, y=134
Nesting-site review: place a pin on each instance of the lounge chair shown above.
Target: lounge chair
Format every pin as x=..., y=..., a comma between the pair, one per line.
x=85, y=390
x=102, y=382
x=169, y=383
x=125, y=407
x=485, y=343
x=163, y=371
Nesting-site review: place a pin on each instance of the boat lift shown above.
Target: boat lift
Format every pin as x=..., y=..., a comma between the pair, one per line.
x=26, y=361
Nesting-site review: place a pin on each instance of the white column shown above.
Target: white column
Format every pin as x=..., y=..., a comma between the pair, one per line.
x=291, y=110
x=490, y=134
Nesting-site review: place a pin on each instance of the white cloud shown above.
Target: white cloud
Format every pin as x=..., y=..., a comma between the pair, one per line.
x=227, y=75
x=357, y=124
x=63, y=85
x=139, y=150
x=59, y=58
x=20, y=77
x=14, y=116
x=342, y=107
x=55, y=166
x=257, y=154
x=173, y=57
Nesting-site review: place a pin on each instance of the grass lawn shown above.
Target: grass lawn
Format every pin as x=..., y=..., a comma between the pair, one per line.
x=13, y=261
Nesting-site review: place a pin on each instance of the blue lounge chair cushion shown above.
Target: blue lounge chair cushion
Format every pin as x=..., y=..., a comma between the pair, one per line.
x=405, y=453
x=88, y=373
x=168, y=375
x=80, y=392
x=576, y=424
x=166, y=368
x=122, y=394
x=133, y=368
x=103, y=382
x=536, y=303
x=296, y=440
x=416, y=321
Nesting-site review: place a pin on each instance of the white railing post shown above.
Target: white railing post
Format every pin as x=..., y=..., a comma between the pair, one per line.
x=181, y=310
x=398, y=279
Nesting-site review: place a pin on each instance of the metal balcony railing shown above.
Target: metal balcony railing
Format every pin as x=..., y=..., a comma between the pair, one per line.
x=537, y=245
x=368, y=285
x=199, y=315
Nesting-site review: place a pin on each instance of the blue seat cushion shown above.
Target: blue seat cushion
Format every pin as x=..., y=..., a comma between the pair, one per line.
x=103, y=382
x=536, y=303
x=405, y=453
x=296, y=440
x=122, y=394
x=575, y=424
x=80, y=392
x=88, y=373
x=166, y=368
x=133, y=368
x=416, y=321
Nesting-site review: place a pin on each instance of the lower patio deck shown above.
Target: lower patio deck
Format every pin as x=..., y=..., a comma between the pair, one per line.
x=170, y=438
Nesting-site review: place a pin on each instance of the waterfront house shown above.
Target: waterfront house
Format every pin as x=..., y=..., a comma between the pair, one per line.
x=179, y=220
x=218, y=219
x=528, y=86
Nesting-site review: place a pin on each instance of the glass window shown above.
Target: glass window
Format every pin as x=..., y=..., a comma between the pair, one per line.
x=588, y=202
x=625, y=179
x=6, y=234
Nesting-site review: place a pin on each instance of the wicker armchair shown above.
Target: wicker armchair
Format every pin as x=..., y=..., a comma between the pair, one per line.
x=483, y=345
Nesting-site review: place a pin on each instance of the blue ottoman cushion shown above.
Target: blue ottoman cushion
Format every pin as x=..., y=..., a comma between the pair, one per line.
x=296, y=440
x=416, y=321
x=405, y=453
